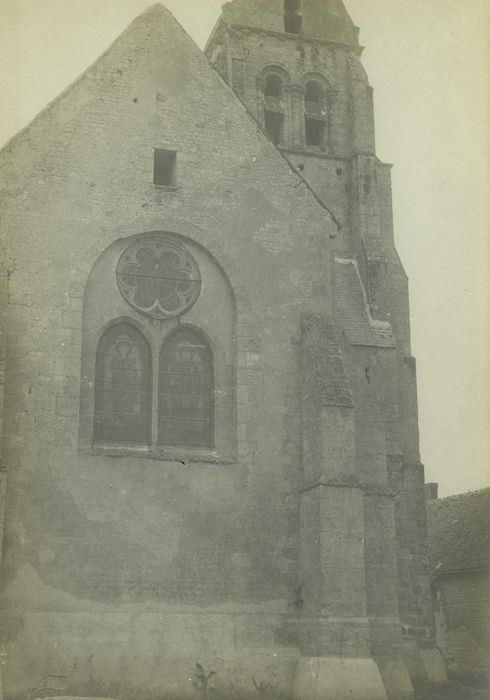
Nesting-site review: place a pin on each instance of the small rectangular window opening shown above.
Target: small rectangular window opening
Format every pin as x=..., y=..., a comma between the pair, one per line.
x=274, y=123
x=293, y=23
x=164, y=168
x=293, y=19
x=315, y=130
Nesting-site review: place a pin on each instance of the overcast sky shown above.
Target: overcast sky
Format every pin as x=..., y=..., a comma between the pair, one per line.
x=428, y=61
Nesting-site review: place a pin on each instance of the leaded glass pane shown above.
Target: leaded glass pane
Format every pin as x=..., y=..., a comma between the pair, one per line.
x=122, y=386
x=185, y=391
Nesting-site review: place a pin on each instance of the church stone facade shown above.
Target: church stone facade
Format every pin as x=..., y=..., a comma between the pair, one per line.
x=209, y=438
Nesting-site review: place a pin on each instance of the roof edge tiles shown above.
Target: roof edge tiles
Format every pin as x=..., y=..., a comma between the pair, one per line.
x=352, y=309
x=459, y=532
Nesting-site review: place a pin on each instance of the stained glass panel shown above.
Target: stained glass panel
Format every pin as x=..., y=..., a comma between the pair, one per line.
x=122, y=386
x=185, y=391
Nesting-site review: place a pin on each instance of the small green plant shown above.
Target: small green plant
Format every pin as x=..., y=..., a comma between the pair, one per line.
x=201, y=680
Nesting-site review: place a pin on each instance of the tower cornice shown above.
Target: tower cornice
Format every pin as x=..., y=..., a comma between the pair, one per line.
x=284, y=36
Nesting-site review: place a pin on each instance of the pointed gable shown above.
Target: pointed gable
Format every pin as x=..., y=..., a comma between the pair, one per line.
x=153, y=88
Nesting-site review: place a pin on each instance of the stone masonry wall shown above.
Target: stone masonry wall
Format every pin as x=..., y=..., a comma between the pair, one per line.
x=118, y=566
x=124, y=568
x=356, y=187
x=463, y=622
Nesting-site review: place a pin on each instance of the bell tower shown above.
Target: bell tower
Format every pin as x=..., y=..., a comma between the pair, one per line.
x=296, y=65
x=305, y=54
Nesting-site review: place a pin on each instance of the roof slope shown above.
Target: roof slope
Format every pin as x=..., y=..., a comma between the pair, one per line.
x=74, y=97
x=154, y=55
x=352, y=309
x=459, y=531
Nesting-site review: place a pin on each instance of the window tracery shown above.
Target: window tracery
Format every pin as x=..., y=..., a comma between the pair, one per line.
x=158, y=277
x=157, y=382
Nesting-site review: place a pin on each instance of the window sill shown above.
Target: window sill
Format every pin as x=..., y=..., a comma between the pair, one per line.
x=316, y=148
x=313, y=151
x=181, y=455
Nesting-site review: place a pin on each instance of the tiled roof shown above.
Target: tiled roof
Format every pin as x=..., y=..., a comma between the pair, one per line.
x=352, y=309
x=459, y=531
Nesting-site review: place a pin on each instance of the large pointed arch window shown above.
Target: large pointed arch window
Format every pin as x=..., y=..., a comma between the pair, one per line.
x=185, y=391
x=122, y=386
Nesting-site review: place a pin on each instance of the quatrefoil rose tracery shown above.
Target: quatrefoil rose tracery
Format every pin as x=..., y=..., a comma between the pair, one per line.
x=158, y=277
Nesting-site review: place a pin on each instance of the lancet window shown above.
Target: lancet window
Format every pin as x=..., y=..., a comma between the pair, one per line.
x=122, y=386
x=274, y=108
x=315, y=116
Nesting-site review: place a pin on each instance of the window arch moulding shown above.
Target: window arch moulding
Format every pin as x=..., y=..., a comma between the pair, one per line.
x=272, y=83
x=105, y=308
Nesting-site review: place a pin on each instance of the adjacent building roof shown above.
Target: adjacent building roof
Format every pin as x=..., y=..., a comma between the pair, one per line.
x=459, y=532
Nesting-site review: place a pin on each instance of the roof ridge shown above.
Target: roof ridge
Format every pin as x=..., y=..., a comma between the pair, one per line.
x=462, y=495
